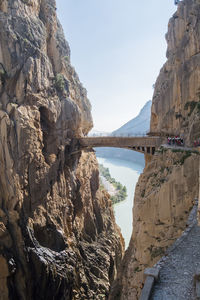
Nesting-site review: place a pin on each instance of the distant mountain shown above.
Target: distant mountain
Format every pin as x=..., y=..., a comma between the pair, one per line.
x=95, y=132
x=137, y=126
x=140, y=125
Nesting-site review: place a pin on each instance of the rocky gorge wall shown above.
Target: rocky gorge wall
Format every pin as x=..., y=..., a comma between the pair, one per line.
x=58, y=237
x=163, y=199
x=165, y=191
x=176, y=100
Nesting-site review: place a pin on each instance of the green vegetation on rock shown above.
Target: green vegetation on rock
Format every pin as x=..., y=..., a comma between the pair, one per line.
x=59, y=82
x=185, y=154
x=191, y=106
x=121, y=191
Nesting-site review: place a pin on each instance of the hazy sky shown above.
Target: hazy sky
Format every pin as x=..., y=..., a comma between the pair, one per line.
x=117, y=49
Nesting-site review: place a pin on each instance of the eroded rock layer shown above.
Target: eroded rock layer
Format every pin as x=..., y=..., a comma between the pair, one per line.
x=166, y=190
x=176, y=100
x=58, y=238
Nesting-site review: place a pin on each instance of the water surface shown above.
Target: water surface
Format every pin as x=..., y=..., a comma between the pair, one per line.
x=127, y=173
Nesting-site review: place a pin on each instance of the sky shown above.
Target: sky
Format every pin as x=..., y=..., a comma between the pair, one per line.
x=117, y=48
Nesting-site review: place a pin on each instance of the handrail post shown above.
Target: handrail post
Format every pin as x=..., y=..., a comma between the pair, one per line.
x=151, y=276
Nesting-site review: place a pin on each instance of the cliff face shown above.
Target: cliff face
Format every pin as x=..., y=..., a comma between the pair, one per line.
x=165, y=192
x=163, y=199
x=176, y=100
x=58, y=238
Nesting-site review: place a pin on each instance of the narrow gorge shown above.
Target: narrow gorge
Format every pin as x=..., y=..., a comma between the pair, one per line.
x=167, y=188
x=58, y=236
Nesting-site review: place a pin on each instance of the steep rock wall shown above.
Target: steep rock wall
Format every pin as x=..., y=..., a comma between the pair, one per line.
x=165, y=191
x=58, y=238
x=163, y=199
x=176, y=100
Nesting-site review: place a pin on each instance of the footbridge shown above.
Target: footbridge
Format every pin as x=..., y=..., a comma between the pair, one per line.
x=140, y=144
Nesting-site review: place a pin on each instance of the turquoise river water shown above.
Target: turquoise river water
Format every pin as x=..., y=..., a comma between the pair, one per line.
x=127, y=173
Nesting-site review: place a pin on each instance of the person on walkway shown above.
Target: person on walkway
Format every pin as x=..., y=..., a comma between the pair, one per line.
x=182, y=142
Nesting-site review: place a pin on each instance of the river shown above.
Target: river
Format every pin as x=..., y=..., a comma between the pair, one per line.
x=127, y=173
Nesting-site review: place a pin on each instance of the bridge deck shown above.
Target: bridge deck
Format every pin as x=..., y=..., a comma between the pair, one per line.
x=140, y=144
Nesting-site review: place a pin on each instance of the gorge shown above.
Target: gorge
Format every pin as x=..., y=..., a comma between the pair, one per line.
x=59, y=239
x=58, y=236
x=127, y=173
x=166, y=190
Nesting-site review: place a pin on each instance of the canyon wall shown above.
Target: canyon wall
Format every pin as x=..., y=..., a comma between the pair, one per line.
x=58, y=237
x=165, y=191
x=176, y=100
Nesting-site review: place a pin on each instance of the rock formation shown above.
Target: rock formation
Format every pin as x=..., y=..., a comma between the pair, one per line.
x=166, y=190
x=176, y=100
x=58, y=235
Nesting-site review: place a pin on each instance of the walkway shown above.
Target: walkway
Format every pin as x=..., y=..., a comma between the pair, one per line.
x=176, y=281
x=179, y=147
x=140, y=144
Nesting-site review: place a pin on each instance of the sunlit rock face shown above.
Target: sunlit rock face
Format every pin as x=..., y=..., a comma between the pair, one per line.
x=166, y=190
x=164, y=196
x=58, y=238
x=176, y=108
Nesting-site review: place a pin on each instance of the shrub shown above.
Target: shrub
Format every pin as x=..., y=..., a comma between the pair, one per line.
x=137, y=269
x=190, y=105
x=178, y=150
x=59, y=83
x=66, y=58
x=161, y=150
x=121, y=191
x=187, y=154
x=156, y=251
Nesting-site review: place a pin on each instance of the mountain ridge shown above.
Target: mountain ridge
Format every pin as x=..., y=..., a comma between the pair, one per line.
x=138, y=125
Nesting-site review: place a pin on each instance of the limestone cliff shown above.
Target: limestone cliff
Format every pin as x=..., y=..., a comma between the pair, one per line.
x=163, y=199
x=58, y=238
x=166, y=190
x=176, y=100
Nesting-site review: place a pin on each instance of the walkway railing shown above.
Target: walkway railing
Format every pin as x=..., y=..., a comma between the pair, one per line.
x=152, y=274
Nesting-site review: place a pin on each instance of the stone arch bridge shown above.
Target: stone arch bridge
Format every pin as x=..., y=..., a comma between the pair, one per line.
x=140, y=144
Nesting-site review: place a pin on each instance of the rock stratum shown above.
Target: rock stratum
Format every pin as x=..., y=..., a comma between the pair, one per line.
x=58, y=237
x=166, y=190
